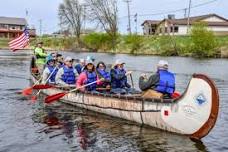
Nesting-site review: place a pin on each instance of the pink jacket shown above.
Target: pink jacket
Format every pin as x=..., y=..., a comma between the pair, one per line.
x=82, y=79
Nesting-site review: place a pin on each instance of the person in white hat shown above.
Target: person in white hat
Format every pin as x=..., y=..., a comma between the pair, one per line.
x=161, y=84
x=119, y=75
x=66, y=76
x=88, y=76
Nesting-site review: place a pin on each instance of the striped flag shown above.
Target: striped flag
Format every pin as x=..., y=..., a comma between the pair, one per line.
x=20, y=42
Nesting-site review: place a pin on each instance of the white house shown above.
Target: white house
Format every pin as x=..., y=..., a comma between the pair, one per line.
x=172, y=26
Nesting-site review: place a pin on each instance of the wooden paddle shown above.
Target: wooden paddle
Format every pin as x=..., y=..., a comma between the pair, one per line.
x=132, y=82
x=52, y=98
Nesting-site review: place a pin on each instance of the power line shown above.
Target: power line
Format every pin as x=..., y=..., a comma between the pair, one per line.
x=173, y=11
x=129, y=16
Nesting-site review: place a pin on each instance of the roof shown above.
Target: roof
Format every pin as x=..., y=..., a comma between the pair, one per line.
x=151, y=22
x=12, y=20
x=184, y=21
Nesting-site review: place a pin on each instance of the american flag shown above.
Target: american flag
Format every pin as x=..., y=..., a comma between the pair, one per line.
x=20, y=42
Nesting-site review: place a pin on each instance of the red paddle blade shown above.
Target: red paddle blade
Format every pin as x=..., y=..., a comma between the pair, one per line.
x=27, y=91
x=33, y=98
x=176, y=95
x=42, y=86
x=54, y=97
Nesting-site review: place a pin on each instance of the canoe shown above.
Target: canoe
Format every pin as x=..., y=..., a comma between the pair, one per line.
x=193, y=114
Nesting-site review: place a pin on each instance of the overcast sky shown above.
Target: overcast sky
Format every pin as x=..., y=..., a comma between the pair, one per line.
x=47, y=11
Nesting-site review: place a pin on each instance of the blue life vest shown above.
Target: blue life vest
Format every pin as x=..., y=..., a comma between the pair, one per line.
x=104, y=74
x=79, y=67
x=68, y=75
x=119, y=83
x=91, y=77
x=52, y=78
x=166, y=83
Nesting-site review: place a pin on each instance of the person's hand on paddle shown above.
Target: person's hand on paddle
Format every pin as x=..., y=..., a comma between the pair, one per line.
x=128, y=73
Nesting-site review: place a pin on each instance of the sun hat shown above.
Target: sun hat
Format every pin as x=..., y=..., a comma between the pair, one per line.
x=68, y=59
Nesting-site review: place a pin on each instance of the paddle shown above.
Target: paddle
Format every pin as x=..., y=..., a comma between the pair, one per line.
x=43, y=86
x=28, y=91
x=57, y=96
x=132, y=82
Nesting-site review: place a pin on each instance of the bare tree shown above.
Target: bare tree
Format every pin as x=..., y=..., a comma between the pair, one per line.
x=70, y=14
x=105, y=13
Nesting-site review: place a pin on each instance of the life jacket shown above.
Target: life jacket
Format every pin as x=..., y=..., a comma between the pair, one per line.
x=104, y=74
x=91, y=77
x=166, y=83
x=68, y=75
x=53, y=74
x=79, y=67
x=119, y=83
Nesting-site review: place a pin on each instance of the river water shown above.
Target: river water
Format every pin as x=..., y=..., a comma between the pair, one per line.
x=27, y=126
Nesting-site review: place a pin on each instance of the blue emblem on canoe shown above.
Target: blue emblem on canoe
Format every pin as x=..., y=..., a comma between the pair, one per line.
x=200, y=99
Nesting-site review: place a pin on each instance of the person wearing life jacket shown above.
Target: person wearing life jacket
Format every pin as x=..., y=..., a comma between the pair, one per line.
x=159, y=85
x=119, y=75
x=49, y=72
x=105, y=85
x=66, y=76
x=40, y=54
x=88, y=76
x=80, y=66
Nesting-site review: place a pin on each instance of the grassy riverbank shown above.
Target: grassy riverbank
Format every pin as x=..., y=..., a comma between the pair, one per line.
x=134, y=44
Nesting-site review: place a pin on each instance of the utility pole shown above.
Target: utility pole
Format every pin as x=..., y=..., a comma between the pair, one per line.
x=189, y=10
x=129, y=15
x=84, y=17
x=185, y=12
x=40, y=26
x=136, y=23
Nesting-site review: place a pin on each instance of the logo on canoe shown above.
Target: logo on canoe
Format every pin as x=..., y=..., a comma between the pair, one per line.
x=189, y=110
x=200, y=99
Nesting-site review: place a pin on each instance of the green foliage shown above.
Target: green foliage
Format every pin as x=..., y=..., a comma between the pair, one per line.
x=98, y=41
x=167, y=45
x=134, y=42
x=204, y=42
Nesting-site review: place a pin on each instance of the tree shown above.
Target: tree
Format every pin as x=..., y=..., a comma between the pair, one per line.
x=203, y=40
x=104, y=12
x=70, y=14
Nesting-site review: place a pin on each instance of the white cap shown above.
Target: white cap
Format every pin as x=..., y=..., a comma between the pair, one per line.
x=81, y=60
x=162, y=64
x=118, y=61
x=68, y=59
x=89, y=61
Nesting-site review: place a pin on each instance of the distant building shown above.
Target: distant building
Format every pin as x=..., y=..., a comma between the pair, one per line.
x=11, y=27
x=172, y=26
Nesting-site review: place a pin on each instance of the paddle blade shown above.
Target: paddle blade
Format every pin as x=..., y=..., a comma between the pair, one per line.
x=176, y=95
x=54, y=97
x=27, y=91
x=43, y=86
x=34, y=98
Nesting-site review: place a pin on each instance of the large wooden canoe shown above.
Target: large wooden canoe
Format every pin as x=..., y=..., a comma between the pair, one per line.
x=193, y=114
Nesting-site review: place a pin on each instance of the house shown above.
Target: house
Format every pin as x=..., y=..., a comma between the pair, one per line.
x=172, y=26
x=11, y=27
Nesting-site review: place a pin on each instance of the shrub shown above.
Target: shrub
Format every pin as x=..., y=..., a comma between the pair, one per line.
x=203, y=40
x=167, y=45
x=134, y=42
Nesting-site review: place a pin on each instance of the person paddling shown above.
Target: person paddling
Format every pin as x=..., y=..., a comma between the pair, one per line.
x=49, y=69
x=66, y=76
x=88, y=76
x=119, y=75
x=80, y=66
x=159, y=85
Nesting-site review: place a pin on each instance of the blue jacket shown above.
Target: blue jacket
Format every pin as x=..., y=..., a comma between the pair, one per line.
x=91, y=77
x=79, y=68
x=118, y=78
x=166, y=83
x=52, y=78
x=104, y=74
x=68, y=75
